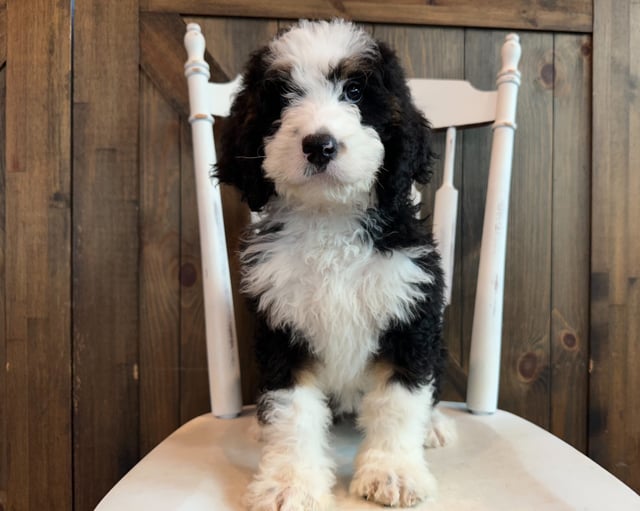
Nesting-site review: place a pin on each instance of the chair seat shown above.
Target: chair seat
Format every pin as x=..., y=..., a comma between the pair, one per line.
x=499, y=462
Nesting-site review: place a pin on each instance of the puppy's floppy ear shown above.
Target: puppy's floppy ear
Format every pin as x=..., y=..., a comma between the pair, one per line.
x=408, y=155
x=254, y=110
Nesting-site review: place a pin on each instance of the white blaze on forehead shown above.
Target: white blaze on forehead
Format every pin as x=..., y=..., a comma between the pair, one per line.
x=313, y=49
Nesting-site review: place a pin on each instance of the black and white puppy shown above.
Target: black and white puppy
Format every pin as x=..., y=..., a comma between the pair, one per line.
x=324, y=140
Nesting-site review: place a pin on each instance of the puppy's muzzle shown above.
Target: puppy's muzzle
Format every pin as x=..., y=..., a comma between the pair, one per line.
x=320, y=149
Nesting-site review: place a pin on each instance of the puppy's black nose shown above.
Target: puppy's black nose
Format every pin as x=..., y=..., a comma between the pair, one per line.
x=320, y=149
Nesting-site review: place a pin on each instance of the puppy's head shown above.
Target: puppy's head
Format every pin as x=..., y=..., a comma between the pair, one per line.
x=324, y=117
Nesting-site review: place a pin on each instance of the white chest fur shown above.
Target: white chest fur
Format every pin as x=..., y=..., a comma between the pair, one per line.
x=318, y=276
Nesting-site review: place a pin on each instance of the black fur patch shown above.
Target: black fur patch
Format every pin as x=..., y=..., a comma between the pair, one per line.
x=253, y=116
x=281, y=354
x=415, y=350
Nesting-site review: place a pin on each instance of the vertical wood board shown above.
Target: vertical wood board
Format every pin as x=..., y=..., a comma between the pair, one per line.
x=4, y=410
x=3, y=35
x=105, y=245
x=614, y=407
x=37, y=258
x=159, y=267
x=570, y=244
x=527, y=280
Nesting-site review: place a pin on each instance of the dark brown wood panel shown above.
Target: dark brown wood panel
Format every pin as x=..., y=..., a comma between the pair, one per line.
x=563, y=15
x=570, y=244
x=37, y=259
x=105, y=245
x=4, y=409
x=526, y=354
x=3, y=35
x=159, y=267
x=614, y=406
x=162, y=57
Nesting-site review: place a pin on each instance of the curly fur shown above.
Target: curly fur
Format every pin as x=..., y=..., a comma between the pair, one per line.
x=346, y=282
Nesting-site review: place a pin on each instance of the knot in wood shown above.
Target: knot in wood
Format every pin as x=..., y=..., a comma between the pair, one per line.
x=528, y=366
x=548, y=74
x=188, y=275
x=569, y=341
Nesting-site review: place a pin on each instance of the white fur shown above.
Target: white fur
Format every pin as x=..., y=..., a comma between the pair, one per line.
x=440, y=431
x=296, y=472
x=349, y=178
x=310, y=50
x=320, y=278
x=390, y=467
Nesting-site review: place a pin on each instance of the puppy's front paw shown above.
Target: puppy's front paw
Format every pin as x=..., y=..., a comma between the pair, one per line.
x=441, y=430
x=392, y=480
x=274, y=496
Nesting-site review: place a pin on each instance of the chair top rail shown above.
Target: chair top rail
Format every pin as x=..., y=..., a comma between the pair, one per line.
x=453, y=102
x=220, y=96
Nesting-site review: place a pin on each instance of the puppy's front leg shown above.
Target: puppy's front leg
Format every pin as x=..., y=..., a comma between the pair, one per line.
x=296, y=472
x=390, y=467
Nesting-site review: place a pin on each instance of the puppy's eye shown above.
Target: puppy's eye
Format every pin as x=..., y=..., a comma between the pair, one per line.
x=352, y=91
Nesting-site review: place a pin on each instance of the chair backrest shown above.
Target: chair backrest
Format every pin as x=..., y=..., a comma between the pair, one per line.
x=447, y=104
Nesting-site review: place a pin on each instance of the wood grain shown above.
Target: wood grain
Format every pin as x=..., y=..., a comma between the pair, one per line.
x=420, y=50
x=4, y=465
x=159, y=267
x=614, y=407
x=524, y=383
x=570, y=239
x=564, y=15
x=37, y=269
x=3, y=35
x=162, y=57
x=527, y=280
x=105, y=246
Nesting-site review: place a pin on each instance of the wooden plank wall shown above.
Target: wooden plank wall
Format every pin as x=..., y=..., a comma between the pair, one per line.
x=614, y=418
x=102, y=336
x=4, y=408
x=569, y=341
x=106, y=243
x=36, y=334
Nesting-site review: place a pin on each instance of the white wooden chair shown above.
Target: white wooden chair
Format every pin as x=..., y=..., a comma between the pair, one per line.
x=499, y=462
